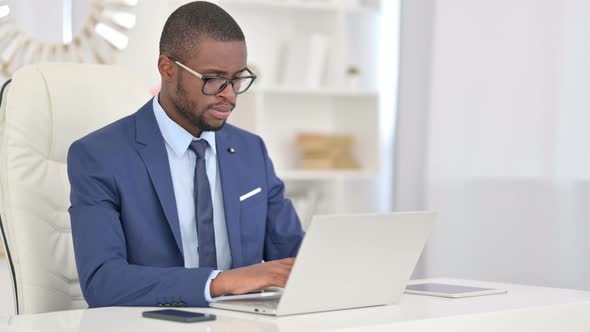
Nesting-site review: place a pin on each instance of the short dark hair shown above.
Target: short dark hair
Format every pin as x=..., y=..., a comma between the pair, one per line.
x=193, y=21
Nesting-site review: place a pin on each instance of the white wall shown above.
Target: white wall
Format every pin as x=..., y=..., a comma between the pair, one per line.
x=141, y=54
x=413, y=103
x=412, y=108
x=506, y=163
x=572, y=168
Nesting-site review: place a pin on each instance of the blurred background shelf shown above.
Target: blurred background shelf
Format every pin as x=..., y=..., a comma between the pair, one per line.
x=318, y=175
x=350, y=6
x=316, y=63
x=321, y=91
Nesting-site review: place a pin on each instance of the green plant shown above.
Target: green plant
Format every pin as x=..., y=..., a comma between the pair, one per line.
x=352, y=71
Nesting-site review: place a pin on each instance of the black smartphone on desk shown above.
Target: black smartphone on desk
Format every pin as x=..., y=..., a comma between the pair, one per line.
x=178, y=315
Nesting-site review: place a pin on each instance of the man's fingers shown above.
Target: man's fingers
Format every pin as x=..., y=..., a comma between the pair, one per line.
x=280, y=280
x=283, y=268
x=281, y=272
x=260, y=276
x=286, y=261
x=278, y=274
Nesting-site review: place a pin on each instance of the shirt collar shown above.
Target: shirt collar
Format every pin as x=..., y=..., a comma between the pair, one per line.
x=177, y=137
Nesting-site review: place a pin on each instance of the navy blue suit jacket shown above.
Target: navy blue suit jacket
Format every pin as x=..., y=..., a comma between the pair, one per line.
x=124, y=217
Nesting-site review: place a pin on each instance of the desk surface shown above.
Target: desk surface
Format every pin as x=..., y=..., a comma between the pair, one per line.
x=523, y=308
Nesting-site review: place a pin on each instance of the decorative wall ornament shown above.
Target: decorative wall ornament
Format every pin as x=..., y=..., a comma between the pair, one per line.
x=103, y=34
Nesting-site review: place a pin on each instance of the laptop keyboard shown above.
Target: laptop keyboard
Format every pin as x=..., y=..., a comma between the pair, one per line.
x=262, y=303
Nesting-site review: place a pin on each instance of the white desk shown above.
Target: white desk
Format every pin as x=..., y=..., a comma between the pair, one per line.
x=524, y=308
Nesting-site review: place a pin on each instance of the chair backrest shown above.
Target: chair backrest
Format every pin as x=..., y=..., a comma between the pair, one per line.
x=45, y=109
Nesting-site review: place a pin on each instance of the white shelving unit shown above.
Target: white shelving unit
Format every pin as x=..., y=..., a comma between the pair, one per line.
x=314, y=5
x=301, y=50
x=284, y=102
x=278, y=117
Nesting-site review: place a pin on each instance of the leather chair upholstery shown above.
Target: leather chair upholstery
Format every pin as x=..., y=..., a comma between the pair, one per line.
x=45, y=109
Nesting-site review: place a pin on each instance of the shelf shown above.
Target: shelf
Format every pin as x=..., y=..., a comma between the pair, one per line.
x=322, y=91
x=325, y=6
x=303, y=175
x=291, y=42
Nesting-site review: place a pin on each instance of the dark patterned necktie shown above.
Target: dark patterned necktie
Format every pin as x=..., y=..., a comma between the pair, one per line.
x=204, y=208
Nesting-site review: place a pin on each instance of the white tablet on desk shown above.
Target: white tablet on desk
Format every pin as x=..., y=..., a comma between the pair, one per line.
x=452, y=291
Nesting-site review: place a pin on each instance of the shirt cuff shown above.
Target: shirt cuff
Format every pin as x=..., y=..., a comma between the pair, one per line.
x=212, y=276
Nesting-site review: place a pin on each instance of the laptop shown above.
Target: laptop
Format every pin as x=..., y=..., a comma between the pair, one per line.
x=345, y=261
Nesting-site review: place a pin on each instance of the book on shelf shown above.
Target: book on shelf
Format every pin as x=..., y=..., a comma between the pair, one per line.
x=325, y=152
x=318, y=56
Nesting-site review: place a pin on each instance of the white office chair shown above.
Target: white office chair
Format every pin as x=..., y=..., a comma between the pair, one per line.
x=45, y=108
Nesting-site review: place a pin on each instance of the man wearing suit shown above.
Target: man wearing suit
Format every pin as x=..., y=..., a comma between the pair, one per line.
x=171, y=206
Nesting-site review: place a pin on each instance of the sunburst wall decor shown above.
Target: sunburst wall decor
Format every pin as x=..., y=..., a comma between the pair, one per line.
x=102, y=35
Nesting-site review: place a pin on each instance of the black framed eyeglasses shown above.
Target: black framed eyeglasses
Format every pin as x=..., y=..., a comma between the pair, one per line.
x=213, y=85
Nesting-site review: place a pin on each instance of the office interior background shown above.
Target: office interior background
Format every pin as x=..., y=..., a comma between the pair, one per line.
x=475, y=109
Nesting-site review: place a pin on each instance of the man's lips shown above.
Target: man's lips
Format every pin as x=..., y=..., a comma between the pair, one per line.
x=221, y=111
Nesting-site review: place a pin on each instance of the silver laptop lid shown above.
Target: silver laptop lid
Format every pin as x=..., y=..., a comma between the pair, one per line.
x=350, y=261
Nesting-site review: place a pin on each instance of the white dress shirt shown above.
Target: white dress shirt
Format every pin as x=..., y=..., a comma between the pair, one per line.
x=182, y=167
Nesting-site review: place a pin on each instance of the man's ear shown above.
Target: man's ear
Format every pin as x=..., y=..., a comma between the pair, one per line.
x=167, y=68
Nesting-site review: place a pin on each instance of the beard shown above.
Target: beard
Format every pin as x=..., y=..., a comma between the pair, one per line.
x=184, y=107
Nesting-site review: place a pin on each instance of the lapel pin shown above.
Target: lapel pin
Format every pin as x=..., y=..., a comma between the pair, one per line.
x=231, y=150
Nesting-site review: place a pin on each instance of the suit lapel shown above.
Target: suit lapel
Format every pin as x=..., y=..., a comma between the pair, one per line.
x=229, y=170
x=151, y=148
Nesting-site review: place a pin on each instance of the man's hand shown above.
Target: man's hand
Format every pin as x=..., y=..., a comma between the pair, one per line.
x=252, y=278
